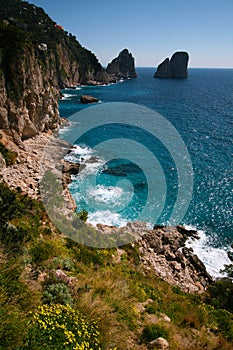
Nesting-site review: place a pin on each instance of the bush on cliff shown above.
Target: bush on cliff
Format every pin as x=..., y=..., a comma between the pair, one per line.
x=9, y=156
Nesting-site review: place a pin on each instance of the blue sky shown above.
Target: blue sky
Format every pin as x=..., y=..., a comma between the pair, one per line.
x=151, y=29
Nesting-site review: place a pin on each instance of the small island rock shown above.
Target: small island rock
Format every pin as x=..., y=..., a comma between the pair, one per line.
x=123, y=66
x=176, y=67
x=88, y=99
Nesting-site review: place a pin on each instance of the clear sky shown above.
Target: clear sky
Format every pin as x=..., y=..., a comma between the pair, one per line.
x=151, y=29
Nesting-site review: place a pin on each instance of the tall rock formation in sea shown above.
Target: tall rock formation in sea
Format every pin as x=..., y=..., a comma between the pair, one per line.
x=123, y=66
x=37, y=59
x=176, y=67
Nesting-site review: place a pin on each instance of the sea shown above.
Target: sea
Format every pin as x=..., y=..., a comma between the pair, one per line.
x=159, y=151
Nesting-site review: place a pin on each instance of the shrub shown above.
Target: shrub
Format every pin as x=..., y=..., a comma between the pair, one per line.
x=41, y=251
x=221, y=295
x=151, y=308
x=224, y=323
x=152, y=332
x=9, y=156
x=62, y=263
x=11, y=234
x=61, y=327
x=57, y=293
x=83, y=215
x=228, y=270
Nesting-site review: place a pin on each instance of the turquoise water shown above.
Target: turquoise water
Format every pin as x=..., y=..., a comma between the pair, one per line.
x=201, y=109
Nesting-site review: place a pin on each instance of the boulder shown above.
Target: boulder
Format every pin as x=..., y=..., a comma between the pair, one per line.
x=174, y=68
x=123, y=66
x=159, y=343
x=88, y=99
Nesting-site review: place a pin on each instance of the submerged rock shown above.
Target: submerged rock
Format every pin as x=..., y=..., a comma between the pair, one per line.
x=174, y=68
x=123, y=66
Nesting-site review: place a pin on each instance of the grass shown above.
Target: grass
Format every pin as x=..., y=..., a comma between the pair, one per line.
x=127, y=302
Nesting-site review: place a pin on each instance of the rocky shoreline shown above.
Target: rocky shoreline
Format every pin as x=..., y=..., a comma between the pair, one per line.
x=161, y=249
x=28, y=171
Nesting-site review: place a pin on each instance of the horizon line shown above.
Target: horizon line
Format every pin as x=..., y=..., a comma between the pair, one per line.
x=189, y=67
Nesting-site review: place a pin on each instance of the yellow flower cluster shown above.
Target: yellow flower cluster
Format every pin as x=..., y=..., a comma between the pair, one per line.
x=66, y=327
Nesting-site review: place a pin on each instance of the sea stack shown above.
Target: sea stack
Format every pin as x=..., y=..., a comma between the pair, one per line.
x=175, y=68
x=123, y=66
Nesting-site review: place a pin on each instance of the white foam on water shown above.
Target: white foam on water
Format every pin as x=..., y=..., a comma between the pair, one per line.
x=213, y=258
x=67, y=96
x=79, y=154
x=106, y=194
x=106, y=217
x=64, y=129
x=75, y=88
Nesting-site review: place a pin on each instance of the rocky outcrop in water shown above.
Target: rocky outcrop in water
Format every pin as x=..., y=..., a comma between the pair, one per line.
x=176, y=67
x=37, y=59
x=88, y=99
x=123, y=66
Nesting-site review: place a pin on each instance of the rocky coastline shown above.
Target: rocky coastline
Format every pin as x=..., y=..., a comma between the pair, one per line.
x=48, y=60
x=161, y=249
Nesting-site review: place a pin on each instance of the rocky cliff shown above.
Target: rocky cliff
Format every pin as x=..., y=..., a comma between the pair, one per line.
x=176, y=67
x=37, y=58
x=123, y=66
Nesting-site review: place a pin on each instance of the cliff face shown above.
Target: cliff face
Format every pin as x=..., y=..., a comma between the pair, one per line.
x=28, y=98
x=123, y=66
x=175, y=68
x=37, y=58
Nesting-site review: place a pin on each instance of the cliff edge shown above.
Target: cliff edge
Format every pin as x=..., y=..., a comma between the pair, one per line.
x=37, y=58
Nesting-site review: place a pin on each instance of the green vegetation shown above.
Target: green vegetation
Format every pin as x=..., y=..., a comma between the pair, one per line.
x=153, y=332
x=9, y=156
x=83, y=215
x=112, y=301
x=23, y=27
x=60, y=327
x=57, y=293
x=221, y=295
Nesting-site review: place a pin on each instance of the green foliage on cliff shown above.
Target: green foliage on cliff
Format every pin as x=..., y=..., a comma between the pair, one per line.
x=111, y=294
x=9, y=156
x=23, y=28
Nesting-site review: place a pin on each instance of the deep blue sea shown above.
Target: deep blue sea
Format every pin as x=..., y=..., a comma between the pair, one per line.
x=199, y=109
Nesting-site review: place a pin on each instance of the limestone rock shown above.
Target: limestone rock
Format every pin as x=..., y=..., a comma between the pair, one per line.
x=123, y=66
x=174, y=68
x=63, y=277
x=160, y=344
x=163, y=251
x=88, y=99
x=68, y=170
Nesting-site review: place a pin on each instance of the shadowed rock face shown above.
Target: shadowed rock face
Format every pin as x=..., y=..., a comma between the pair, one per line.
x=176, y=67
x=123, y=66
